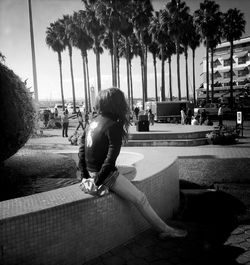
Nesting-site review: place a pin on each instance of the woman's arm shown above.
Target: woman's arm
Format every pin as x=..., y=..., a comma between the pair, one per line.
x=114, y=135
x=82, y=162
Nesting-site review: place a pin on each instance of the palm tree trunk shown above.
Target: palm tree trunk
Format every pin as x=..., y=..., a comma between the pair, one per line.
x=145, y=73
x=131, y=84
x=118, y=70
x=186, y=61
x=178, y=68
x=231, y=74
x=98, y=71
x=207, y=69
x=127, y=63
x=115, y=58
x=194, y=77
x=85, y=81
x=155, y=70
x=87, y=71
x=170, y=79
x=61, y=82
x=142, y=76
x=212, y=74
x=163, y=97
x=72, y=78
x=112, y=66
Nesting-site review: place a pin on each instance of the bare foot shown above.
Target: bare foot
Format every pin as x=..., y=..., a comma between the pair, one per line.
x=173, y=233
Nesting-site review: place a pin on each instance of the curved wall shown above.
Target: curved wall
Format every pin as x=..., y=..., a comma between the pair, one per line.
x=66, y=226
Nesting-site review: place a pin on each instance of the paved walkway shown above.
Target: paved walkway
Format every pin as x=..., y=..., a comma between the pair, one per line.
x=209, y=242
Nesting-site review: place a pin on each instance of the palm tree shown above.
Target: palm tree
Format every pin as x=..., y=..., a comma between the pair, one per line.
x=170, y=50
x=233, y=28
x=194, y=42
x=84, y=42
x=160, y=36
x=205, y=18
x=96, y=30
x=55, y=43
x=126, y=30
x=141, y=13
x=154, y=49
x=174, y=19
x=185, y=39
x=108, y=45
x=214, y=40
x=65, y=34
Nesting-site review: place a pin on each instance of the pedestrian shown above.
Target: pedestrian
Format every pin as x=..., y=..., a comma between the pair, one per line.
x=151, y=117
x=203, y=116
x=220, y=115
x=183, y=116
x=80, y=120
x=86, y=118
x=56, y=112
x=195, y=120
x=189, y=116
x=65, y=124
x=136, y=111
x=100, y=149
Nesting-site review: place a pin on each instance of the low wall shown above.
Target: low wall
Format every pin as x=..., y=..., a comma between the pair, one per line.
x=66, y=226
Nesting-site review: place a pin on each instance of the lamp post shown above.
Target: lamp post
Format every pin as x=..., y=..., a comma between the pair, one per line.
x=33, y=53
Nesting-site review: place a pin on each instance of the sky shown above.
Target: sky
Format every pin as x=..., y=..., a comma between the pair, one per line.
x=15, y=46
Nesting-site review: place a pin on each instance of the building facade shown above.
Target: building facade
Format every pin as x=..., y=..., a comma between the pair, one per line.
x=221, y=71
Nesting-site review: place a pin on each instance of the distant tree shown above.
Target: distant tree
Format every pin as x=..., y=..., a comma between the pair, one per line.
x=174, y=19
x=96, y=30
x=233, y=28
x=194, y=42
x=54, y=41
x=204, y=19
x=83, y=42
x=66, y=23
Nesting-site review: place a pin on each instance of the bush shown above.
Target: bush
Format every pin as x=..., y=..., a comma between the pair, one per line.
x=17, y=113
x=224, y=135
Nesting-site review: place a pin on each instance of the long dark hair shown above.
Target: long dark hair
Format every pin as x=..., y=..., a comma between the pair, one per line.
x=111, y=102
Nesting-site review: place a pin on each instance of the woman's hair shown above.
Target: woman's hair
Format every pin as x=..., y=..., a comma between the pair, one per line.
x=111, y=102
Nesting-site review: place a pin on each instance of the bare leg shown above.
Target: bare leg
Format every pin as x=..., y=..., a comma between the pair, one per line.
x=125, y=189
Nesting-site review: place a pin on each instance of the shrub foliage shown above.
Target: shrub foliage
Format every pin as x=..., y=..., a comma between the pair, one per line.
x=17, y=113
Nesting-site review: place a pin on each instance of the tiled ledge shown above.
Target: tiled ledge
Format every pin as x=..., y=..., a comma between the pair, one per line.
x=66, y=226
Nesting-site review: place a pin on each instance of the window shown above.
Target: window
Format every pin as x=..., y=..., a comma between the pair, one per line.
x=227, y=62
x=242, y=60
x=226, y=75
x=243, y=72
x=216, y=63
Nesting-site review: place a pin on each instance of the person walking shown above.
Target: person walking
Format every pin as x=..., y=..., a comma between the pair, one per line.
x=136, y=111
x=203, y=116
x=151, y=117
x=189, y=116
x=183, y=116
x=65, y=124
x=80, y=120
x=99, y=149
x=220, y=115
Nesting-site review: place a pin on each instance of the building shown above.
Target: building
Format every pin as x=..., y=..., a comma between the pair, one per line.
x=221, y=65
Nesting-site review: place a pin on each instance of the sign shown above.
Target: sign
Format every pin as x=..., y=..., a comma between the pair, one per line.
x=239, y=117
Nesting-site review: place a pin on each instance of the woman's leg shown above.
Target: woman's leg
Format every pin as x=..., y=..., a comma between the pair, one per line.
x=125, y=189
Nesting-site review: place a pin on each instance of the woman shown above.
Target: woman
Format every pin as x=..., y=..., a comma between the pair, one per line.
x=100, y=149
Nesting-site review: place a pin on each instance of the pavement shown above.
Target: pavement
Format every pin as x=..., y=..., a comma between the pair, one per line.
x=215, y=238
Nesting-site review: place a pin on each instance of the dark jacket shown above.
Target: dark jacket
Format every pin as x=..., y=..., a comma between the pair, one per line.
x=100, y=147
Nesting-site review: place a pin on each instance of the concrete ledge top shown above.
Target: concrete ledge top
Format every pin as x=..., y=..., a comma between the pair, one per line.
x=149, y=164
